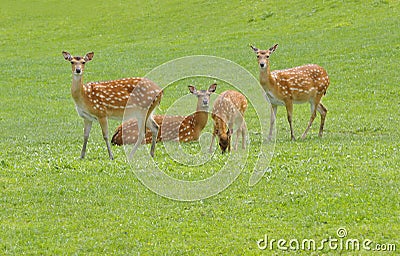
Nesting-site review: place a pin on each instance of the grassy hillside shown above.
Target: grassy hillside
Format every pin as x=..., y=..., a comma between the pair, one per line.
x=53, y=203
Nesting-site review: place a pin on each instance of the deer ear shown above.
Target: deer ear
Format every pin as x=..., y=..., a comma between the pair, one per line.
x=89, y=56
x=67, y=56
x=273, y=48
x=212, y=88
x=192, y=89
x=254, y=48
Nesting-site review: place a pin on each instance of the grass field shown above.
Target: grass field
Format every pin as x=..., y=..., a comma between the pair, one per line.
x=51, y=203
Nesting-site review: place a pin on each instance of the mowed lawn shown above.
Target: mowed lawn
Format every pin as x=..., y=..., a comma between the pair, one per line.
x=52, y=203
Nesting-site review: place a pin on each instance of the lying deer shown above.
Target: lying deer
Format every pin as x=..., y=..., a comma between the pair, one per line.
x=172, y=128
x=102, y=100
x=297, y=85
x=228, y=110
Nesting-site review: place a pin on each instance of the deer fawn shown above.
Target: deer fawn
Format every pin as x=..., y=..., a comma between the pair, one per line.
x=172, y=128
x=228, y=109
x=109, y=99
x=297, y=85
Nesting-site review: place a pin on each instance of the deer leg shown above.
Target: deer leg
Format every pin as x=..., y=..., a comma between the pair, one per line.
x=322, y=110
x=230, y=133
x=104, y=128
x=86, y=132
x=212, y=139
x=153, y=126
x=289, y=110
x=313, y=115
x=229, y=143
x=141, y=134
x=239, y=130
x=244, y=131
x=274, y=109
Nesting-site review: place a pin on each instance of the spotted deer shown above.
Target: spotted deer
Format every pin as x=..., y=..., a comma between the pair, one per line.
x=296, y=85
x=109, y=99
x=172, y=128
x=228, y=109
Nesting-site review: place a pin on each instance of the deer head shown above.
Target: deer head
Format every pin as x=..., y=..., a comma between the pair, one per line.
x=224, y=141
x=78, y=63
x=263, y=55
x=203, y=95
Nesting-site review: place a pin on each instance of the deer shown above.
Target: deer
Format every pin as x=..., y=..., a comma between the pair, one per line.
x=302, y=84
x=172, y=128
x=136, y=97
x=228, y=110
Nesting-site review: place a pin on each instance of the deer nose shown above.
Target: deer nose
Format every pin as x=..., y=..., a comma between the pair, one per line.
x=78, y=70
x=262, y=64
x=205, y=102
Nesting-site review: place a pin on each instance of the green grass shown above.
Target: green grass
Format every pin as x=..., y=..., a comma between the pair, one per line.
x=51, y=203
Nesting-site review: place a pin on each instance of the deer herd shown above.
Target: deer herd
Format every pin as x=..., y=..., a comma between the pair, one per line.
x=136, y=98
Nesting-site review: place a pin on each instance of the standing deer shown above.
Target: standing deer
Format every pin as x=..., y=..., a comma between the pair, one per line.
x=228, y=110
x=102, y=100
x=297, y=85
x=172, y=128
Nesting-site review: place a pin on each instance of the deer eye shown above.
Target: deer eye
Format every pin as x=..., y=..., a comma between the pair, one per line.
x=72, y=62
x=83, y=63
